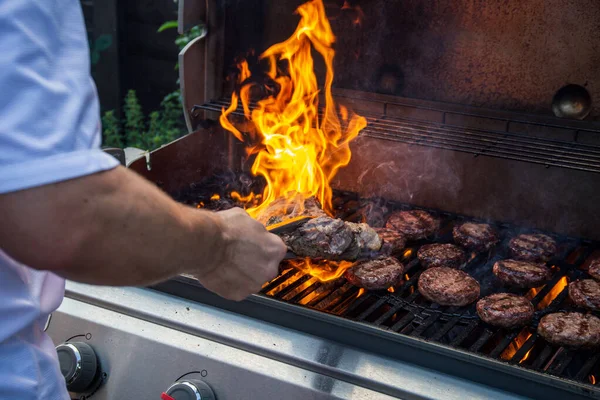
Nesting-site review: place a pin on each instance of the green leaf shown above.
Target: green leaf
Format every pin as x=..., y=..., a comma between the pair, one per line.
x=95, y=57
x=168, y=25
x=103, y=42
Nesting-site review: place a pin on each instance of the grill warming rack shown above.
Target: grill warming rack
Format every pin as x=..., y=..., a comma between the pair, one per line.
x=511, y=146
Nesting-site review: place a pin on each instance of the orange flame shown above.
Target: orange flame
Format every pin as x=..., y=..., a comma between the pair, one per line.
x=592, y=379
x=552, y=294
x=324, y=271
x=515, y=345
x=297, y=150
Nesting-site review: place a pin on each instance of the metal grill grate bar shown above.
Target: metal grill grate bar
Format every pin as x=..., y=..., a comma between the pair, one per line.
x=478, y=142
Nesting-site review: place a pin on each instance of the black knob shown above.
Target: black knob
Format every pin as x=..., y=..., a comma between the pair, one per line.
x=190, y=389
x=78, y=364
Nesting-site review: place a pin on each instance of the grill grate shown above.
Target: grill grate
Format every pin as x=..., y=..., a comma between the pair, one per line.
x=405, y=311
x=550, y=153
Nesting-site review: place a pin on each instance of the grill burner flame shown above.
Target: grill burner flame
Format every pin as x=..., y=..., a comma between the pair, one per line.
x=298, y=151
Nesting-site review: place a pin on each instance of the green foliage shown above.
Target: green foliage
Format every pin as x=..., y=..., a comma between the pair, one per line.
x=112, y=130
x=148, y=133
x=102, y=43
x=134, y=121
x=159, y=127
x=167, y=25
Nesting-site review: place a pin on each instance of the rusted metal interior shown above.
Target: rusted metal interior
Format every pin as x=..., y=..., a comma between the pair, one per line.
x=458, y=101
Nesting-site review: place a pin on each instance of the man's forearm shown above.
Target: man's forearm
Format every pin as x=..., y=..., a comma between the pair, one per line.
x=110, y=228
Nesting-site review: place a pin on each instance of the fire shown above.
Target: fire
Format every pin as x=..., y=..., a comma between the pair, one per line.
x=215, y=197
x=324, y=271
x=297, y=150
x=592, y=379
x=552, y=294
x=391, y=289
x=515, y=345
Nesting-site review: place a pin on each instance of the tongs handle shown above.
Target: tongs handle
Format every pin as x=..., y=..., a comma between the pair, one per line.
x=288, y=226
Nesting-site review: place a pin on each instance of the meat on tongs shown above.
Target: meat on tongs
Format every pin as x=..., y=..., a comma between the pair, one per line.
x=322, y=237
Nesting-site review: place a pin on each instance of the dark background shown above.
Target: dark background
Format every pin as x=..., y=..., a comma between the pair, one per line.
x=138, y=58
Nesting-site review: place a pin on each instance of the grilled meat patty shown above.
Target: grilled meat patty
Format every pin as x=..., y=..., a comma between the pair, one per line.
x=414, y=224
x=532, y=247
x=441, y=255
x=478, y=237
x=392, y=241
x=585, y=293
x=448, y=286
x=332, y=239
x=570, y=329
x=594, y=269
x=505, y=310
x=521, y=274
x=375, y=274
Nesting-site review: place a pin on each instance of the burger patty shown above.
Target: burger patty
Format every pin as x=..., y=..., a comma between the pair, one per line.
x=441, y=255
x=570, y=329
x=594, y=269
x=448, y=286
x=413, y=224
x=521, y=274
x=478, y=237
x=392, y=241
x=505, y=310
x=533, y=247
x=585, y=293
x=377, y=274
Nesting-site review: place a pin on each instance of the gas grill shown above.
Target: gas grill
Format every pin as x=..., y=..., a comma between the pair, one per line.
x=508, y=162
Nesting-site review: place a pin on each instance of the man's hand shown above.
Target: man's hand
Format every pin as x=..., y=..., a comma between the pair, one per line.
x=249, y=256
x=116, y=228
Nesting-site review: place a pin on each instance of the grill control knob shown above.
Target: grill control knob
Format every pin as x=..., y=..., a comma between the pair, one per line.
x=78, y=364
x=189, y=389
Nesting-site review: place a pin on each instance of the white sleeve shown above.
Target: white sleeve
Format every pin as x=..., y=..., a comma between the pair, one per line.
x=49, y=113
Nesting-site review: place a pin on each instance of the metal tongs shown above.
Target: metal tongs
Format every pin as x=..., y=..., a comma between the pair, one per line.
x=288, y=226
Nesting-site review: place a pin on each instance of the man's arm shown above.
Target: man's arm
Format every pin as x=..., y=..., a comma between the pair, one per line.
x=116, y=228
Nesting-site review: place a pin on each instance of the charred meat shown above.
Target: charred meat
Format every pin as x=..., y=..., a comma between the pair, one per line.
x=521, y=274
x=571, y=329
x=477, y=237
x=532, y=247
x=392, y=241
x=414, y=224
x=284, y=209
x=448, y=286
x=585, y=293
x=505, y=310
x=375, y=274
x=332, y=239
x=594, y=269
x=441, y=255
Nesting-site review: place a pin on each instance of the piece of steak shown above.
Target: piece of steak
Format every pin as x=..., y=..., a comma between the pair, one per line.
x=477, y=237
x=332, y=239
x=532, y=247
x=521, y=274
x=571, y=329
x=594, y=269
x=448, y=286
x=585, y=293
x=505, y=310
x=441, y=255
x=414, y=224
x=377, y=274
x=392, y=241
x=283, y=209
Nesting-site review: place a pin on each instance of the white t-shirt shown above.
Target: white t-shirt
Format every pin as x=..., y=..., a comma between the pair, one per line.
x=49, y=132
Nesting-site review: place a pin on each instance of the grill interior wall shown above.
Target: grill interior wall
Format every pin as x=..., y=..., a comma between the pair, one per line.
x=500, y=54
